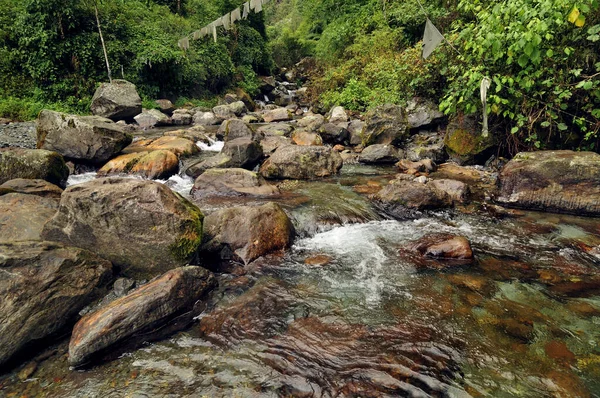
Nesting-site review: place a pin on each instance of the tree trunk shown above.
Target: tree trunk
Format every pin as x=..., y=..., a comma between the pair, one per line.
x=103, y=45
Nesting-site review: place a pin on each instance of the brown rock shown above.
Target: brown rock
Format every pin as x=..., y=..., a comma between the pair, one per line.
x=33, y=187
x=23, y=217
x=154, y=165
x=277, y=115
x=143, y=310
x=422, y=166
x=318, y=260
x=178, y=145
x=215, y=182
x=33, y=164
x=301, y=162
x=301, y=137
x=444, y=246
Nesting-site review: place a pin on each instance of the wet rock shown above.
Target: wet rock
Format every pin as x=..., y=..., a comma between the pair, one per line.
x=312, y=122
x=305, y=138
x=160, y=164
x=333, y=134
x=426, y=145
x=142, y=311
x=206, y=119
x=108, y=214
x=379, y=153
x=465, y=144
x=457, y=191
x=33, y=164
x=422, y=166
x=22, y=217
x=243, y=152
x=555, y=181
x=386, y=124
x=43, y=287
x=302, y=163
x=271, y=143
x=423, y=113
x=559, y=351
x=318, y=260
x=276, y=129
x=182, y=117
x=337, y=115
x=122, y=286
x=33, y=187
x=226, y=182
x=234, y=128
x=180, y=146
x=444, y=246
x=194, y=134
x=277, y=115
x=80, y=138
x=165, y=106
x=117, y=100
x=220, y=161
x=246, y=233
x=401, y=198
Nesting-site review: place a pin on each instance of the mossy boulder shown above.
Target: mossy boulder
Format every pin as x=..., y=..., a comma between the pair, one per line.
x=33, y=164
x=465, y=144
x=141, y=226
x=385, y=124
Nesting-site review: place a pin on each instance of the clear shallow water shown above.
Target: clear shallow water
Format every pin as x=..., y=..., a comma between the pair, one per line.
x=373, y=320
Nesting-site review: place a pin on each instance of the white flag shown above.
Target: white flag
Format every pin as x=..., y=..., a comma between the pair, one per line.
x=431, y=39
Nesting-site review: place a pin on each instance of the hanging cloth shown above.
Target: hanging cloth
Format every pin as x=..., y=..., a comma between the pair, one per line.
x=196, y=35
x=485, y=85
x=246, y=10
x=431, y=39
x=256, y=5
x=204, y=31
x=226, y=21
x=236, y=15
x=217, y=22
x=214, y=32
x=184, y=43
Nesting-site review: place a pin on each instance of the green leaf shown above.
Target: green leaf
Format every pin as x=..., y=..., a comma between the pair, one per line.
x=549, y=53
x=562, y=126
x=545, y=124
x=514, y=130
x=523, y=60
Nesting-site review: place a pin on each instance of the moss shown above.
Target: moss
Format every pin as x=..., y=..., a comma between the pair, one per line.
x=465, y=144
x=188, y=242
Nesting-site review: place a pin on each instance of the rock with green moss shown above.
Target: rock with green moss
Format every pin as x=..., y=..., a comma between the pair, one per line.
x=91, y=139
x=245, y=233
x=385, y=124
x=465, y=144
x=234, y=128
x=33, y=164
x=301, y=163
x=141, y=226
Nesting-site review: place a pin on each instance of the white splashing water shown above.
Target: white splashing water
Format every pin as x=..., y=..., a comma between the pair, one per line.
x=180, y=184
x=213, y=146
x=75, y=179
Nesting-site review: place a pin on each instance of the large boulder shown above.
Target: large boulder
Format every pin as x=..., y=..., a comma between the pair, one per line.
x=334, y=134
x=235, y=181
x=230, y=111
x=385, y=124
x=403, y=198
x=245, y=233
x=180, y=146
x=234, y=128
x=43, y=287
x=423, y=113
x=206, y=119
x=22, y=216
x=33, y=164
x=555, y=181
x=278, y=115
x=80, y=138
x=301, y=163
x=117, y=100
x=465, y=144
x=379, y=153
x=144, y=310
x=32, y=187
x=159, y=164
x=244, y=152
x=141, y=226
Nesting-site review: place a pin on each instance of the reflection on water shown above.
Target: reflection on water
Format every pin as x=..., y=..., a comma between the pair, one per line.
x=522, y=320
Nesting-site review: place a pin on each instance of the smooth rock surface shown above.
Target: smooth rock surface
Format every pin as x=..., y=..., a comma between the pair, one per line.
x=80, y=138
x=23, y=217
x=33, y=187
x=43, y=287
x=277, y=115
x=444, y=246
x=306, y=138
x=117, y=100
x=235, y=181
x=243, y=152
x=141, y=226
x=555, y=181
x=180, y=146
x=379, y=153
x=143, y=310
x=33, y=164
x=301, y=163
x=245, y=233
x=159, y=164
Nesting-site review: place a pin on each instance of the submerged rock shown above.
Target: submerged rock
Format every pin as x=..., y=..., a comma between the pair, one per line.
x=80, y=138
x=154, y=165
x=234, y=181
x=43, y=287
x=33, y=164
x=32, y=187
x=301, y=163
x=246, y=233
x=444, y=246
x=141, y=226
x=117, y=100
x=379, y=153
x=555, y=181
x=386, y=124
x=144, y=310
x=22, y=217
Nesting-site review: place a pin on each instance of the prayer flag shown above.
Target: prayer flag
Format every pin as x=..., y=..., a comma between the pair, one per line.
x=246, y=10
x=431, y=39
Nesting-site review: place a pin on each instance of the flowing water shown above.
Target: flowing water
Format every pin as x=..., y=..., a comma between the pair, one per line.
x=349, y=311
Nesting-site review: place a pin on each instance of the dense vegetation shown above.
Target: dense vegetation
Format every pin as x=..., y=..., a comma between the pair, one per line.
x=543, y=56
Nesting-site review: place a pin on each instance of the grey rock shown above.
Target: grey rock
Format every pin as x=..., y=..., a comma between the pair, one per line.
x=32, y=187
x=379, y=153
x=206, y=119
x=386, y=124
x=234, y=128
x=301, y=162
x=244, y=152
x=423, y=113
x=234, y=181
x=33, y=164
x=334, y=134
x=117, y=100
